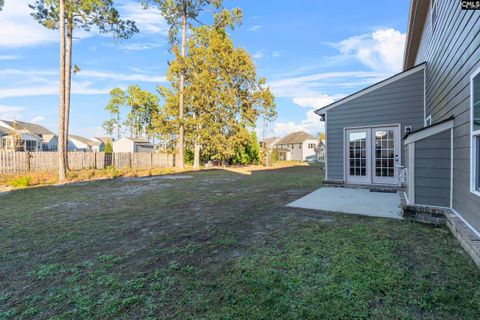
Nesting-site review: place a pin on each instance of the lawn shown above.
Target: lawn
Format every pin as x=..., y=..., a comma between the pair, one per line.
x=220, y=245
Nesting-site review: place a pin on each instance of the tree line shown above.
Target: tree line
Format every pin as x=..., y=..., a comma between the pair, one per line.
x=214, y=97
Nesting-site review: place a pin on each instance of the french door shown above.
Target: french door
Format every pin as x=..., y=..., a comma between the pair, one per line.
x=372, y=155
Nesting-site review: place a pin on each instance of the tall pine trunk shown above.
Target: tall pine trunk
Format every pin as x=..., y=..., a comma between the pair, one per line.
x=62, y=169
x=181, y=132
x=68, y=80
x=196, y=156
x=118, y=125
x=196, y=148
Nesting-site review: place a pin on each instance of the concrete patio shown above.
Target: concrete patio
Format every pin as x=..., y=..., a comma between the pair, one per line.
x=352, y=201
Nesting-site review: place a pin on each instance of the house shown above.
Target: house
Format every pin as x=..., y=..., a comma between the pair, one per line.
x=269, y=143
x=103, y=140
x=420, y=127
x=4, y=132
x=299, y=146
x=35, y=137
x=132, y=145
x=79, y=143
x=320, y=151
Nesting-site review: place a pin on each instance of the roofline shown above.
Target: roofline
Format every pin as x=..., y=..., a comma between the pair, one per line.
x=416, y=23
x=371, y=88
x=426, y=132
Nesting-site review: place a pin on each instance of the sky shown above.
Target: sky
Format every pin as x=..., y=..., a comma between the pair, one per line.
x=311, y=53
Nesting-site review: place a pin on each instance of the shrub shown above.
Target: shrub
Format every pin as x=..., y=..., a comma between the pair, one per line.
x=23, y=181
x=112, y=172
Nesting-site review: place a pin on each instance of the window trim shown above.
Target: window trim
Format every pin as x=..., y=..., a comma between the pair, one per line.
x=428, y=121
x=474, y=145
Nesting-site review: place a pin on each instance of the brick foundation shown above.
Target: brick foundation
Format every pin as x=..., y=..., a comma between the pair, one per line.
x=423, y=214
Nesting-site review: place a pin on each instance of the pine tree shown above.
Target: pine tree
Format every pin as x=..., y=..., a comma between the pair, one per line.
x=68, y=15
x=181, y=16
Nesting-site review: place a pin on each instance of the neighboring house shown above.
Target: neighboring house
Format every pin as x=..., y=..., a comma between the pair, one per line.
x=425, y=119
x=79, y=143
x=4, y=132
x=103, y=140
x=48, y=139
x=320, y=151
x=269, y=143
x=132, y=145
x=298, y=146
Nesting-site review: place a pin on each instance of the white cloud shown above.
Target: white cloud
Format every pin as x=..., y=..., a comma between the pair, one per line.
x=37, y=119
x=11, y=112
x=312, y=85
x=138, y=46
x=25, y=83
x=149, y=20
x=121, y=76
x=19, y=29
x=254, y=28
x=4, y=57
x=50, y=89
x=259, y=54
x=83, y=74
x=310, y=124
x=276, y=54
x=314, y=102
x=381, y=50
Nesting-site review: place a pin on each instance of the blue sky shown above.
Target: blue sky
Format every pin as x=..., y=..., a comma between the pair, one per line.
x=311, y=52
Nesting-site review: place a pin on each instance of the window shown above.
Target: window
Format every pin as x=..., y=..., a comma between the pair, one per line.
x=428, y=121
x=475, y=129
x=311, y=146
x=30, y=145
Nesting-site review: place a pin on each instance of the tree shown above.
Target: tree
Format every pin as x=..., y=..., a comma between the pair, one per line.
x=181, y=14
x=108, y=146
x=322, y=136
x=117, y=101
x=223, y=95
x=68, y=15
x=1, y=4
x=142, y=109
x=248, y=152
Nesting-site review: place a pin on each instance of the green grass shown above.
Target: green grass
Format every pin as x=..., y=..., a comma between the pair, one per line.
x=220, y=245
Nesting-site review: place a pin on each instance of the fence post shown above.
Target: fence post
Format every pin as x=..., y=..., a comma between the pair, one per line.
x=130, y=156
x=27, y=161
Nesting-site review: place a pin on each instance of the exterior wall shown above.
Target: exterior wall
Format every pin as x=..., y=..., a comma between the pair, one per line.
x=296, y=150
x=123, y=145
x=74, y=145
x=452, y=54
x=143, y=148
x=400, y=102
x=432, y=170
x=309, y=154
x=52, y=145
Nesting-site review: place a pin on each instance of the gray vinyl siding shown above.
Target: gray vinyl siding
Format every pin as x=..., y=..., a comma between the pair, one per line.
x=400, y=102
x=452, y=54
x=432, y=170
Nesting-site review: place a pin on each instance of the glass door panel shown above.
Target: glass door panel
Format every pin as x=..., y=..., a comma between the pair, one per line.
x=358, y=156
x=386, y=155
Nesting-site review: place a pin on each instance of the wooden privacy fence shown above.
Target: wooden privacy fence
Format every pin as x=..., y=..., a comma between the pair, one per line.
x=23, y=162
